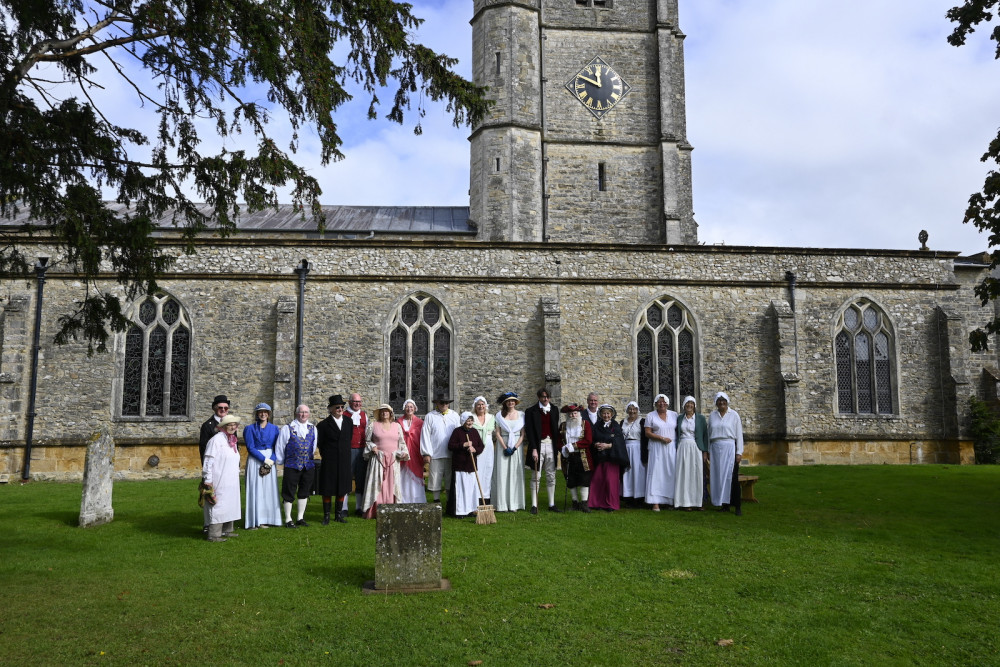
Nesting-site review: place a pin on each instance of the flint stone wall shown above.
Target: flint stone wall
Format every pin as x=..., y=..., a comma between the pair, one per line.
x=233, y=292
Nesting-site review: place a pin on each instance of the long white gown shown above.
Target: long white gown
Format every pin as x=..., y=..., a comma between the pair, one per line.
x=222, y=469
x=508, y=471
x=725, y=435
x=634, y=479
x=688, y=472
x=662, y=459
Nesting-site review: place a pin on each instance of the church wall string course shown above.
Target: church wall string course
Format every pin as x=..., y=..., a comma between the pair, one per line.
x=575, y=266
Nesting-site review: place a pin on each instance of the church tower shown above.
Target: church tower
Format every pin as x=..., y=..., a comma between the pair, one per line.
x=587, y=138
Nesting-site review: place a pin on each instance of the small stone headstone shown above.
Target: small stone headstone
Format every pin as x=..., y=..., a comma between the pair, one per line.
x=98, y=475
x=408, y=549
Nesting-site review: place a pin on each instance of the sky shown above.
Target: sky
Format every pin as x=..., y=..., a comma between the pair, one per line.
x=853, y=124
x=815, y=124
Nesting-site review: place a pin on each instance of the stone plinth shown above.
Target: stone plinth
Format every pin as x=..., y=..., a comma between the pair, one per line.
x=98, y=473
x=408, y=549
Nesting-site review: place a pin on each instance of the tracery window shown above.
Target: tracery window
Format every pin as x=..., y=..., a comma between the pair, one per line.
x=864, y=350
x=665, y=349
x=420, y=352
x=156, y=369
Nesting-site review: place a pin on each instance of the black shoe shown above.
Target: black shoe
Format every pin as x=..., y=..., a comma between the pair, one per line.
x=576, y=505
x=584, y=508
x=289, y=524
x=341, y=517
x=358, y=513
x=553, y=508
x=739, y=511
x=326, y=518
x=301, y=522
x=534, y=510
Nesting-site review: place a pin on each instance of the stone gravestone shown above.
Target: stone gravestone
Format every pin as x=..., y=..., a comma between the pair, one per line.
x=98, y=474
x=408, y=549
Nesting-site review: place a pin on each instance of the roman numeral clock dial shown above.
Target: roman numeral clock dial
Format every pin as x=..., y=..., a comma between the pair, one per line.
x=598, y=87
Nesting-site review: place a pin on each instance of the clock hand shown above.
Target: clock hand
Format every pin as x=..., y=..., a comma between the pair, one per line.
x=596, y=83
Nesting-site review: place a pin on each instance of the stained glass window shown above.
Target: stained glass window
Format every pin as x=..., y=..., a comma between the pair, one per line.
x=420, y=352
x=666, y=353
x=863, y=346
x=157, y=361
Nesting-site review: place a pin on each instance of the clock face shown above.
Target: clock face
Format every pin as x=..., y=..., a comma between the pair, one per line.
x=598, y=87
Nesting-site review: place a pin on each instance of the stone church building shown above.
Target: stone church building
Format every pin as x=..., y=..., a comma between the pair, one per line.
x=575, y=266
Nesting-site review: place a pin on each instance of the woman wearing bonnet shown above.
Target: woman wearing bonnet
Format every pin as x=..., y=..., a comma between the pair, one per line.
x=411, y=473
x=725, y=438
x=263, y=508
x=661, y=429
x=692, y=448
x=485, y=424
x=634, y=479
x=384, y=449
x=508, y=464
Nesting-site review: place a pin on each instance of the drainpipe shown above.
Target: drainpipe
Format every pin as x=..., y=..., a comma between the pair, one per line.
x=541, y=112
x=302, y=270
x=790, y=277
x=40, y=268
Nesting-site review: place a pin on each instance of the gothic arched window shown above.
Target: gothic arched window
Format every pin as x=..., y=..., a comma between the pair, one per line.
x=420, y=352
x=156, y=370
x=665, y=345
x=864, y=349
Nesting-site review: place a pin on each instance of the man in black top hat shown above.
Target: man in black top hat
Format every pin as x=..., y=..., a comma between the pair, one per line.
x=220, y=406
x=333, y=438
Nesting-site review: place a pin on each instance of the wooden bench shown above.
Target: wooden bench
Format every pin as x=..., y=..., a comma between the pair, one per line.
x=746, y=488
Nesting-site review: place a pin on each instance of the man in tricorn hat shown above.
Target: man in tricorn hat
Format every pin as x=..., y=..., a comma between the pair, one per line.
x=439, y=424
x=333, y=439
x=578, y=461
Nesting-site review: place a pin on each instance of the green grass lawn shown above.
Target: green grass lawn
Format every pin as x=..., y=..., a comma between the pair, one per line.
x=836, y=565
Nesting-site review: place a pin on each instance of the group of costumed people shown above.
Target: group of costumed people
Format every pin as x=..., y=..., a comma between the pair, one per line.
x=477, y=457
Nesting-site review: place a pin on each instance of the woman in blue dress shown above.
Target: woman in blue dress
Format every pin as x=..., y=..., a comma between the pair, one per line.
x=262, y=508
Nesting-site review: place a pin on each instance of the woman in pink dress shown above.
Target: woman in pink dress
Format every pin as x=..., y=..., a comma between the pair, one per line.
x=384, y=450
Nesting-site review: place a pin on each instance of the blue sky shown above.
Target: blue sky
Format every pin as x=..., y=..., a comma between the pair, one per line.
x=815, y=124
x=851, y=124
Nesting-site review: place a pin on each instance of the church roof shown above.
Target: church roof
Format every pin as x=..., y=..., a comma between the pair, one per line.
x=340, y=220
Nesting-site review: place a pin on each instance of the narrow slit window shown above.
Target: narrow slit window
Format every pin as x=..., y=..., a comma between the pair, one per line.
x=498, y=63
x=496, y=165
x=602, y=181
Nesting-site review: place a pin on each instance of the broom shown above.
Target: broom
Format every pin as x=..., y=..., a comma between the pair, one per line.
x=484, y=513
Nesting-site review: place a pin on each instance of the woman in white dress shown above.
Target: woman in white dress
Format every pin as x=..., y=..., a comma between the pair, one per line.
x=692, y=446
x=485, y=424
x=725, y=442
x=634, y=478
x=508, y=464
x=661, y=429
x=220, y=481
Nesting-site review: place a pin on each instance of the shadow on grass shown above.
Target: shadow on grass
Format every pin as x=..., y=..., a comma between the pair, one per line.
x=348, y=576
x=66, y=518
x=167, y=524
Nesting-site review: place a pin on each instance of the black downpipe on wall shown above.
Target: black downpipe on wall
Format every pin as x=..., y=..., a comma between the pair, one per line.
x=302, y=270
x=41, y=266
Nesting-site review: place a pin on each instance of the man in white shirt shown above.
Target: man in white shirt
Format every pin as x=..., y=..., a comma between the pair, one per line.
x=439, y=424
x=294, y=449
x=593, y=400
